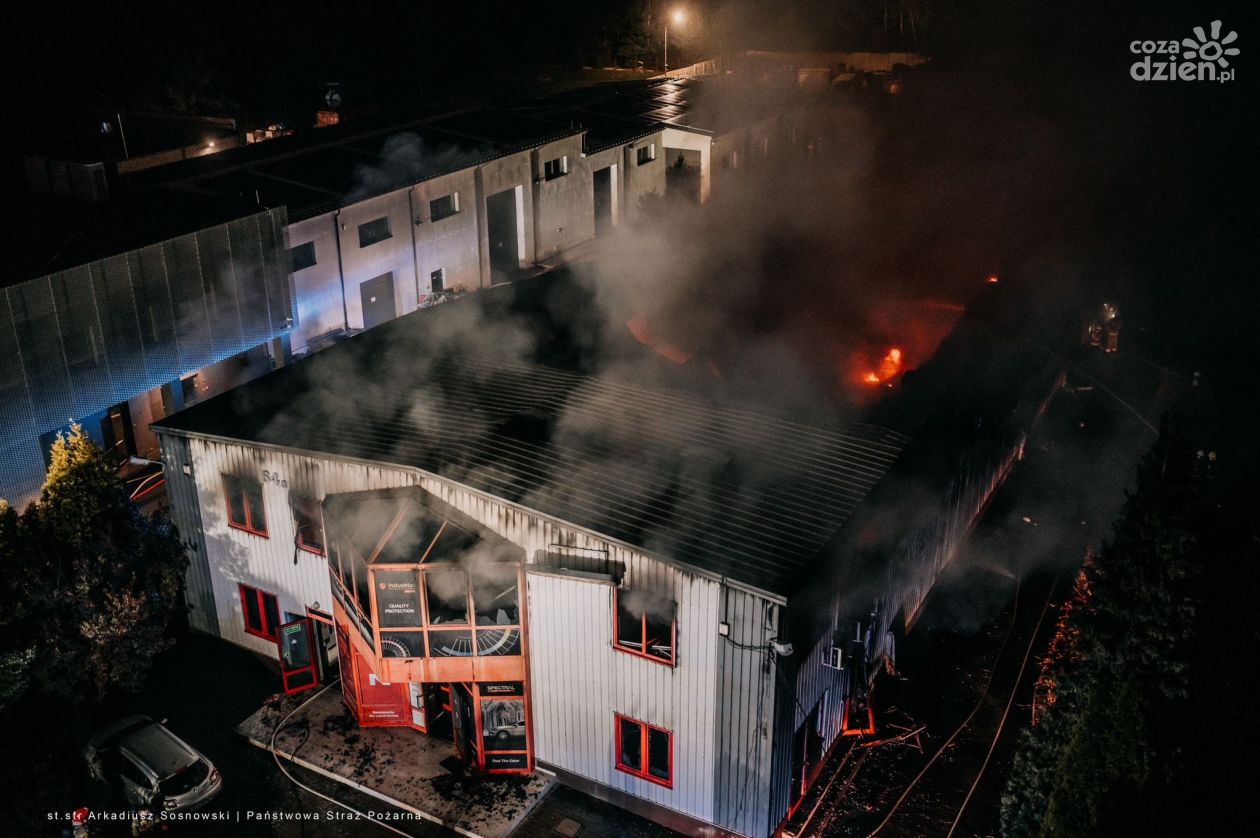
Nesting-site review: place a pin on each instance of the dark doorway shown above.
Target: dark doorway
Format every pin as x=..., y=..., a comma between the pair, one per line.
x=437, y=708
x=465, y=720
x=378, y=300
x=505, y=260
x=682, y=173
x=603, y=201
x=116, y=434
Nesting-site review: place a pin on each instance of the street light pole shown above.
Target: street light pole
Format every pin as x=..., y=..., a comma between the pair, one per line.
x=678, y=19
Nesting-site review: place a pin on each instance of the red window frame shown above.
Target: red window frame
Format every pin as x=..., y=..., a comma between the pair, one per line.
x=302, y=506
x=644, y=770
x=265, y=631
x=234, y=485
x=642, y=651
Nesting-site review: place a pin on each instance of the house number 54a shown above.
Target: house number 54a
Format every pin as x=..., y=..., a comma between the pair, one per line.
x=271, y=477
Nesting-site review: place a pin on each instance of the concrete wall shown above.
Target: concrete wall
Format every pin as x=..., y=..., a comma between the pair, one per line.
x=320, y=307
x=563, y=209
x=395, y=254
x=515, y=172
x=452, y=243
x=643, y=179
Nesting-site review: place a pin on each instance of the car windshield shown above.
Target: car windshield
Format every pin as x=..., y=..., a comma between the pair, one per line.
x=185, y=780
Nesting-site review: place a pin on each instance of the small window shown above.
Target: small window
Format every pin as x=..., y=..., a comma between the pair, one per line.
x=559, y=167
x=262, y=613
x=373, y=232
x=188, y=389
x=645, y=626
x=245, y=505
x=444, y=207
x=308, y=523
x=645, y=751
x=437, y=280
x=646, y=153
x=302, y=256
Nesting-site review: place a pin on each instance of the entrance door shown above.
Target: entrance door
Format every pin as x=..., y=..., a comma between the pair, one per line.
x=297, y=656
x=326, y=654
x=505, y=259
x=603, y=201
x=465, y=719
x=378, y=300
x=346, y=663
x=116, y=432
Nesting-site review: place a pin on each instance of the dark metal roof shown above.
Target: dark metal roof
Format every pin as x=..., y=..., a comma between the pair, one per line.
x=323, y=169
x=41, y=235
x=684, y=477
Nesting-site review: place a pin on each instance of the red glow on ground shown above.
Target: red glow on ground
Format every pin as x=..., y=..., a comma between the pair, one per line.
x=993, y=279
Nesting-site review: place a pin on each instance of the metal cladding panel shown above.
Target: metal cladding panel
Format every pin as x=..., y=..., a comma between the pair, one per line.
x=120, y=321
x=745, y=714
x=81, y=338
x=579, y=682
x=185, y=512
x=188, y=300
x=15, y=402
x=46, y=373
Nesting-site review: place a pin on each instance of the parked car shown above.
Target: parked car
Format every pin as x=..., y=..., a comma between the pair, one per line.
x=146, y=763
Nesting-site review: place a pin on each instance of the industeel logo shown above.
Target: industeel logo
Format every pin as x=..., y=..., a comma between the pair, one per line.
x=1205, y=57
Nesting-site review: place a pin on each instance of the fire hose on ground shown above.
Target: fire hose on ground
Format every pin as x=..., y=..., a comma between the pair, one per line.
x=276, y=756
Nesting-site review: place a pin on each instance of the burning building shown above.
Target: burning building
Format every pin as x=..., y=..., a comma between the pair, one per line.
x=668, y=601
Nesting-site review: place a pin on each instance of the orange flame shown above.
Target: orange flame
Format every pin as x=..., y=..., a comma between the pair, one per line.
x=887, y=370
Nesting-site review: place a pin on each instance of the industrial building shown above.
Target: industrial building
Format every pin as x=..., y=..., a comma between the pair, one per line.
x=669, y=601
x=369, y=220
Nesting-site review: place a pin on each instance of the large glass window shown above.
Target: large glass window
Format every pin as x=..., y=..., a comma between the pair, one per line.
x=645, y=751
x=495, y=595
x=245, y=504
x=447, y=596
x=645, y=625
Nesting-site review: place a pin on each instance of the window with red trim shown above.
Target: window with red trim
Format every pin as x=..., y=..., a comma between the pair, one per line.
x=262, y=613
x=645, y=625
x=245, y=504
x=308, y=523
x=645, y=751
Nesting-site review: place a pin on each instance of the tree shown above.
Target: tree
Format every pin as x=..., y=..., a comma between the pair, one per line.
x=1124, y=666
x=90, y=585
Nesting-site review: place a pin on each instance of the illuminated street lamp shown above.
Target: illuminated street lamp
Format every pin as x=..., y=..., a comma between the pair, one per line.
x=678, y=18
